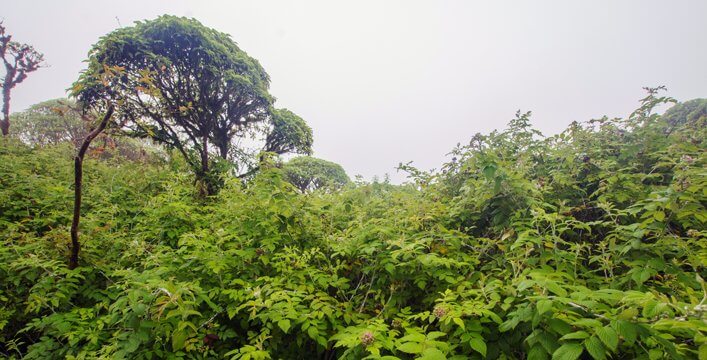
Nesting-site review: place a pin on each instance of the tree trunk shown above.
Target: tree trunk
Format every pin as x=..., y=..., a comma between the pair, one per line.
x=6, y=87
x=206, y=187
x=223, y=150
x=78, y=184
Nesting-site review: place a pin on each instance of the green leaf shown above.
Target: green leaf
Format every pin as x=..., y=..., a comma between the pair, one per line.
x=575, y=335
x=627, y=330
x=544, y=306
x=537, y=352
x=489, y=171
x=628, y=314
x=609, y=337
x=313, y=332
x=178, y=339
x=284, y=324
x=570, y=351
x=410, y=348
x=432, y=354
x=459, y=322
x=588, y=323
x=595, y=348
x=642, y=275
x=702, y=352
x=555, y=288
x=414, y=337
x=659, y=215
x=434, y=335
x=478, y=345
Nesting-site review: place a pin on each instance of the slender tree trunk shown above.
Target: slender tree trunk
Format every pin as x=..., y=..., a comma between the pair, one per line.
x=6, y=87
x=78, y=184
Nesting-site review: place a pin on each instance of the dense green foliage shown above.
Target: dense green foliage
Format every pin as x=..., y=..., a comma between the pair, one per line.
x=50, y=122
x=308, y=173
x=60, y=121
x=588, y=244
x=192, y=89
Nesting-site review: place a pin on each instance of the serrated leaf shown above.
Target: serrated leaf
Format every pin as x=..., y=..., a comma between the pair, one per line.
x=432, y=354
x=478, y=345
x=595, y=348
x=555, y=288
x=609, y=337
x=591, y=323
x=628, y=314
x=459, y=322
x=178, y=339
x=434, y=335
x=415, y=337
x=544, y=306
x=410, y=348
x=627, y=330
x=575, y=335
x=284, y=324
x=537, y=352
x=570, y=351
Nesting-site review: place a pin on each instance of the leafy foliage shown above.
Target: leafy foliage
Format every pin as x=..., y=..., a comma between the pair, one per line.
x=308, y=174
x=190, y=88
x=60, y=121
x=587, y=244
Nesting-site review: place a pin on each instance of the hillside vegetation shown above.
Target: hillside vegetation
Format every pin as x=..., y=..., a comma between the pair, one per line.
x=587, y=244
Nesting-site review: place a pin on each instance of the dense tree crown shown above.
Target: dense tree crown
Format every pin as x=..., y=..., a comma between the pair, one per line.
x=307, y=174
x=187, y=86
x=50, y=122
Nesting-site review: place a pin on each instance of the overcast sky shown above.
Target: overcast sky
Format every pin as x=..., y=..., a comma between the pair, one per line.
x=382, y=82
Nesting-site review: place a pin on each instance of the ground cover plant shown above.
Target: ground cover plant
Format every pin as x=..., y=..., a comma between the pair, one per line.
x=588, y=244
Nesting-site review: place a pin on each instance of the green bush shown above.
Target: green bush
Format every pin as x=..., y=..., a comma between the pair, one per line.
x=588, y=244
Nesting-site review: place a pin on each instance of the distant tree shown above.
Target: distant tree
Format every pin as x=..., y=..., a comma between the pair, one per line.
x=289, y=134
x=19, y=60
x=50, y=122
x=184, y=85
x=308, y=174
x=691, y=111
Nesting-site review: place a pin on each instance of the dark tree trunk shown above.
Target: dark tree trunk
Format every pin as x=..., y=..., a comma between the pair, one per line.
x=207, y=188
x=6, y=87
x=223, y=151
x=78, y=184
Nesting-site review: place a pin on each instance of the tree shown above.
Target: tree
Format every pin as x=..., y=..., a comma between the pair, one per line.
x=184, y=85
x=78, y=184
x=58, y=121
x=289, y=134
x=308, y=174
x=691, y=111
x=19, y=60
x=50, y=122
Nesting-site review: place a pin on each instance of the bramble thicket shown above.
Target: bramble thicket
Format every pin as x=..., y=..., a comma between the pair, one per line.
x=588, y=244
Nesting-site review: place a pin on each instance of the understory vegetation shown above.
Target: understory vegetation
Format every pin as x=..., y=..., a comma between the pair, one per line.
x=587, y=244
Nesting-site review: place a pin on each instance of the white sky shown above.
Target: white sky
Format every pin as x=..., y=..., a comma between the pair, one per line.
x=383, y=82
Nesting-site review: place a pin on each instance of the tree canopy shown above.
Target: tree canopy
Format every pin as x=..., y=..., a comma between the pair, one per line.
x=50, y=122
x=309, y=173
x=184, y=85
x=692, y=111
